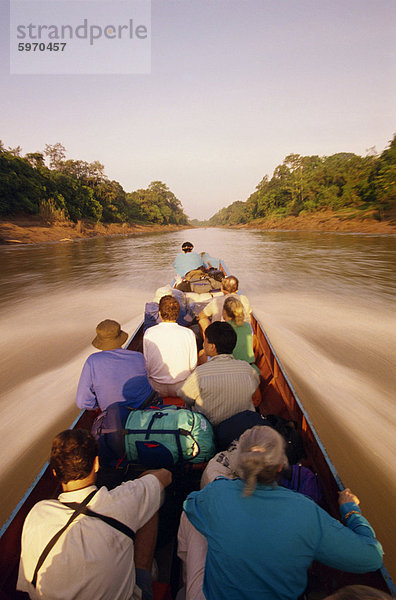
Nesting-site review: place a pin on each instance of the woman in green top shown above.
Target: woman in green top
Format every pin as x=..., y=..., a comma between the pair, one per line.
x=233, y=313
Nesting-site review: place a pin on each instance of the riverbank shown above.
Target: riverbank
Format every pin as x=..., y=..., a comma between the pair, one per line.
x=326, y=221
x=32, y=230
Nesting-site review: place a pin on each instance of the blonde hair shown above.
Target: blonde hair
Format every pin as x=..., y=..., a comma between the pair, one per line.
x=230, y=284
x=233, y=308
x=261, y=451
x=353, y=592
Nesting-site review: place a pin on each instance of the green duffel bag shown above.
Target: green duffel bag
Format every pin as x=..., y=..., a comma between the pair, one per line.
x=164, y=437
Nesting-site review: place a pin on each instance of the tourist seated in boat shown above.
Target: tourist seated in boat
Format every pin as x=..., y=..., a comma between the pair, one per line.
x=151, y=310
x=223, y=386
x=113, y=375
x=187, y=260
x=92, y=558
x=169, y=349
x=214, y=310
x=259, y=539
x=359, y=592
x=233, y=313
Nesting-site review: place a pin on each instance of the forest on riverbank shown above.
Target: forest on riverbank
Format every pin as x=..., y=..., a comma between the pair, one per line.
x=74, y=190
x=345, y=184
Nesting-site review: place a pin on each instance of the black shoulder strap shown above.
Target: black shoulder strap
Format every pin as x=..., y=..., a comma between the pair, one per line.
x=109, y=520
x=81, y=508
x=56, y=537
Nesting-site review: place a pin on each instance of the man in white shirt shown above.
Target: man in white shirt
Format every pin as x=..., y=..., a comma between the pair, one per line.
x=91, y=558
x=169, y=349
x=214, y=310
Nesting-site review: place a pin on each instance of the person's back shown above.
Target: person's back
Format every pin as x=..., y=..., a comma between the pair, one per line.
x=233, y=313
x=113, y=375
x=276, y=533
x=89, y=557
x=91, y=560
x=187, y=260
x=170, y=350
x=223, y=386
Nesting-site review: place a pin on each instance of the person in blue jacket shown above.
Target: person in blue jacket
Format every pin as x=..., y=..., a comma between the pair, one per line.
x=261, y=538
x=115, y=374
x=187, y=260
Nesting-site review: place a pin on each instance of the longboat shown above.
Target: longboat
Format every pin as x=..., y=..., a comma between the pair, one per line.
x=278, y=397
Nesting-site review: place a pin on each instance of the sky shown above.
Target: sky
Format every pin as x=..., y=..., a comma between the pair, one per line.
x=234, y=87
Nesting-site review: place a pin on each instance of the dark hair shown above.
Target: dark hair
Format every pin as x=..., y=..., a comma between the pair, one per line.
x=169, y=308
x=358, y=592
x=187, y=246
x=222, y=336
x=230, y=284
x=73, y=454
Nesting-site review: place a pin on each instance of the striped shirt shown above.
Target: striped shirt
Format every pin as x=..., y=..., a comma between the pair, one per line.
x=221, y=388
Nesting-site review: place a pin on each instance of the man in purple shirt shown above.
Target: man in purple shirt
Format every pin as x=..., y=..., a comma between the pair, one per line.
x=113, y=375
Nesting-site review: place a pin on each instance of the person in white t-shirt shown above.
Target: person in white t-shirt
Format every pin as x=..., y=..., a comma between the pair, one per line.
x=169, y=349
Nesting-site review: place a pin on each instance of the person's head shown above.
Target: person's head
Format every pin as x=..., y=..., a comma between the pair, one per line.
x=73, y=455
x=229, y=285
x=358, y=592
x=260, y=457
x=169, y=308
x=233, y=310
x=187, y=247
x=109, y=335
x=220, y=338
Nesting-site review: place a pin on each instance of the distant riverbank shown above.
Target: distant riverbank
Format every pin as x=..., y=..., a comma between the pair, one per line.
x=325, y=220
x=32, y=230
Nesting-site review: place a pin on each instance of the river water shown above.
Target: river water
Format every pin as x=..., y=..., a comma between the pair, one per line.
x=326, y=301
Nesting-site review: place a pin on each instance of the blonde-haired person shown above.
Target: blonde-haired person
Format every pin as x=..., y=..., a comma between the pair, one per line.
x=261, y=538
x=234, y=314
x=359, y=592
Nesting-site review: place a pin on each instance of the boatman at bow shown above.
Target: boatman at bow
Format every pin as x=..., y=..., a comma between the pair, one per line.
x=187, y=260
x=115, y=374
x=93, y=557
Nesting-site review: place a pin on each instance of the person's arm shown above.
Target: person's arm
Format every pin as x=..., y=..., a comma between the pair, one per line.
x=351, y=547
x=256, y=394
x=257, y=397
x=163, y=475
x=146, y=352
x=178, y=265
x=205, y=315
x=86, y=397
x=193, y=356
x=189, y=391
x=203, y=321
